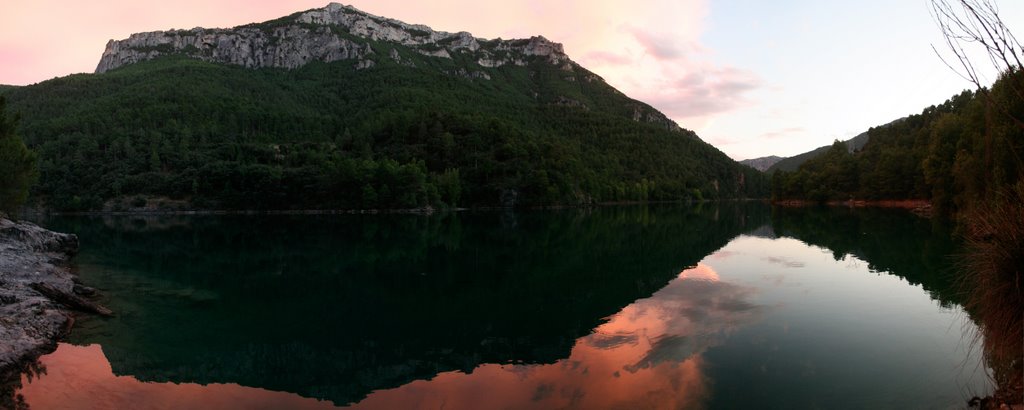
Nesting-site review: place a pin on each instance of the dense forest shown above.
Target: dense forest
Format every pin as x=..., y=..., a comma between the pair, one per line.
x=956, y=154
x=17, y=164
x=327, y=136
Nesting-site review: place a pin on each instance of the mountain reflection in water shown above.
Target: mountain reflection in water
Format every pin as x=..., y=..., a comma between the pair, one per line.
x=80, y=377
x=645, y=356
x=722, y=306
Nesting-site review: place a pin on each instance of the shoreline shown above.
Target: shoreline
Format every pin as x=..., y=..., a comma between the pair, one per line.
x=39, y=295
x=922, y=207
x=30, y=212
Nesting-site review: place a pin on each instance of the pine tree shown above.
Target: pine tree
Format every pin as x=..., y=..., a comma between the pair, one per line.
x=17, y=164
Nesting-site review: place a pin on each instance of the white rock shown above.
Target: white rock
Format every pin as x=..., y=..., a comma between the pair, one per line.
x=321, y=35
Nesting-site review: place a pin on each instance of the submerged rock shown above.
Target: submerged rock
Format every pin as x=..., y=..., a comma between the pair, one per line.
x=32, y=258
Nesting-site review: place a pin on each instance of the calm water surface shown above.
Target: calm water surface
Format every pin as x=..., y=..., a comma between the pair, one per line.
x=717, y=306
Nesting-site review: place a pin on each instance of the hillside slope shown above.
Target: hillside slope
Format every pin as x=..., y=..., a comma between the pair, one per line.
x=406, y=117
x=790, y=164
x=961, y=154
x=763, y=163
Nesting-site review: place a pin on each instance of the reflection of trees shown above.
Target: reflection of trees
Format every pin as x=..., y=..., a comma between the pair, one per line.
x=922, y=251
x=916, y=249
x=334, y=307
x=10, y=398
x=991, y=267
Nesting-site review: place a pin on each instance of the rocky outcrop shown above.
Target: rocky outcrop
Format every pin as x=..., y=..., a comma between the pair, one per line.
x=284, y=47
x=33, y=262
x=333, y=33
x=645, y=113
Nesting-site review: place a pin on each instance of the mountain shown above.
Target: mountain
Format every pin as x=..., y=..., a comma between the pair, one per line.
x=335, y=108
x=344, y=33
x=763, y=163
x=790, y=164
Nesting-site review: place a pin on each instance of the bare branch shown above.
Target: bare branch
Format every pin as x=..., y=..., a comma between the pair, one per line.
x=976, y=24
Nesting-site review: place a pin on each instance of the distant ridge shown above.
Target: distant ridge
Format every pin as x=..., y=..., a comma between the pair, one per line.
x=791, y=164
x=762, y=164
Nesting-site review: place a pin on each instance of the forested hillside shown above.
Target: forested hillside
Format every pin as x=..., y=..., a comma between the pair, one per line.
x=410, y=130
x=762, y=163
x=793, y=163
x=957, y=153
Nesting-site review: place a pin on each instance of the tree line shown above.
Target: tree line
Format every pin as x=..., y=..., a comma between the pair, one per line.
x=956, y=154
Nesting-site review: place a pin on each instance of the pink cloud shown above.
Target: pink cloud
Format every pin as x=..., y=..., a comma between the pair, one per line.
x=664, y=46
x=701, y=89
x=677, y=75
x=718, y=141
x=782, y=133
x=605, y=58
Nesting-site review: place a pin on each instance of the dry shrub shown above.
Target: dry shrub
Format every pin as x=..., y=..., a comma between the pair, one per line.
x=991, y=268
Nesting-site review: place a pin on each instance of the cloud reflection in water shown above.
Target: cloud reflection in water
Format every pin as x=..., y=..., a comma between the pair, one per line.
x=80, y=378
x=646, y=356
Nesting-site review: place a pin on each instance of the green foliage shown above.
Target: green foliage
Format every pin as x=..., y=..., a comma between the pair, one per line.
x=960, y=153
x=793, y=163
x=17, y=164
x=329, y=136
x=831, y=175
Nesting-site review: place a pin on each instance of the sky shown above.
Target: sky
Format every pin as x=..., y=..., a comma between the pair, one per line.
x=754, y=78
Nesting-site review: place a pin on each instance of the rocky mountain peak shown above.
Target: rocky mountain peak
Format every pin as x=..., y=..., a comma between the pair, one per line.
x=343, y=33
x=335, y=32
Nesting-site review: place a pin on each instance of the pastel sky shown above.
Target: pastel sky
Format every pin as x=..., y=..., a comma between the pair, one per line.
x=752, y=77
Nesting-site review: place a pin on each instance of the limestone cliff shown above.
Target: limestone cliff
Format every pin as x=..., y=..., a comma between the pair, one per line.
x=285, y=47
x=333, y=33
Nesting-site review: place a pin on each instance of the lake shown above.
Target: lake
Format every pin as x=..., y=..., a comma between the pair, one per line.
x=732, y=305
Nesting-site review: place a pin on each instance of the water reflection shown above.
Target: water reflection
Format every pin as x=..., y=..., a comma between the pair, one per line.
x=889, y=241
x=80, y=378
x=648, y=355
x=554, y=309
x=336, y=307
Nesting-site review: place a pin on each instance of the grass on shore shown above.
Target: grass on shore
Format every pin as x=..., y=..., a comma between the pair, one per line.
x=991, y=268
